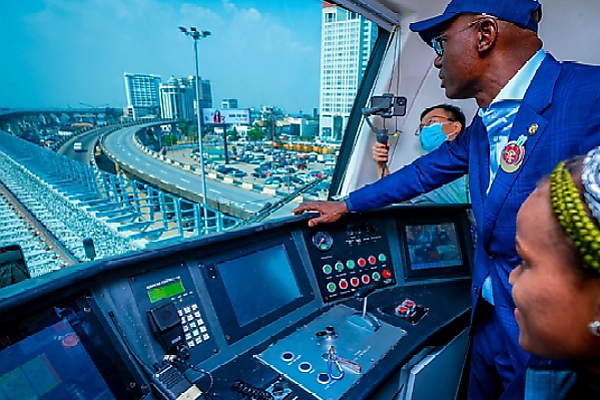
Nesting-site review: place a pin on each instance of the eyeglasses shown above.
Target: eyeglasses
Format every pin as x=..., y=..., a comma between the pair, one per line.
x=430, y=121
x=438, y=42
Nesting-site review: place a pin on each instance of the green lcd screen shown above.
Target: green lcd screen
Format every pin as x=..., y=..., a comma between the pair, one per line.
x=165, y=291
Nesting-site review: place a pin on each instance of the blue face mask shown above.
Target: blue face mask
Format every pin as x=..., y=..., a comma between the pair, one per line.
x=432, y=137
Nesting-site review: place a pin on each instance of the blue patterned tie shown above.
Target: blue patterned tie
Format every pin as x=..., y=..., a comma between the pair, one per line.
x=498, y=120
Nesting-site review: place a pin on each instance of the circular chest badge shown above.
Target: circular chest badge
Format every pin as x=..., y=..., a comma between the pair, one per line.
x=513, y=155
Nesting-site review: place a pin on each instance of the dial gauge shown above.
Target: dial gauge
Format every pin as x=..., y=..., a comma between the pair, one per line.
x=322, y=240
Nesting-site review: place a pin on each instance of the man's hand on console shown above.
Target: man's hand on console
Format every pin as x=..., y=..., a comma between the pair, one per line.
x=330, y=211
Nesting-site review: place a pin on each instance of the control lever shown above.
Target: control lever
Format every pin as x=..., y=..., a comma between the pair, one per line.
x=382, y=137
x=365, y=319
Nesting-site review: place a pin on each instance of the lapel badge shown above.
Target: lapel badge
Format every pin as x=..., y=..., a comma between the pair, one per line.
x=532, y=130
x=513, y=154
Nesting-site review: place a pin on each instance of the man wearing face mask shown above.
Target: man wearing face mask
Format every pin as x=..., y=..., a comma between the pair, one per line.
x=440, y=123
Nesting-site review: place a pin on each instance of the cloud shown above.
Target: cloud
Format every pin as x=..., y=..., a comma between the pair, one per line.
x=71, y=51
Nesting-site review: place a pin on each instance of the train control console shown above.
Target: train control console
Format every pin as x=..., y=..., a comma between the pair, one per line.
x=280, y=311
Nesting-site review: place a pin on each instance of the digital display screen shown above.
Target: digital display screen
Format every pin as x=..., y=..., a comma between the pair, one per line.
x=165, y=291
x=433, y=246
x=51, y=364
x=259, y=283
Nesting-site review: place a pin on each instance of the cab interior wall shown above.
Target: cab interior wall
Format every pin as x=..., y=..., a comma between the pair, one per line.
x=568, y=30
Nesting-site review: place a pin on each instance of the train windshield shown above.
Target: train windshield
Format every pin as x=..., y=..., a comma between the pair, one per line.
x=103, y=103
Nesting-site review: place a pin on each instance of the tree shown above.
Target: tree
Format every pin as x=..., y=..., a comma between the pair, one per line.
x=170, y=140
x=183, y=126
x=232, y=134
x=255, y=134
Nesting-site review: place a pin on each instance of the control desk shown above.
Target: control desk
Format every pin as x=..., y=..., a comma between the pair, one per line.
x=350, y=310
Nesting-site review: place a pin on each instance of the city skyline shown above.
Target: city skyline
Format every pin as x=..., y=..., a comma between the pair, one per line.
x=64, y=53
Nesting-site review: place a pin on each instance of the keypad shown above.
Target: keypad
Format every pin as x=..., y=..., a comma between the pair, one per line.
x=193, y=325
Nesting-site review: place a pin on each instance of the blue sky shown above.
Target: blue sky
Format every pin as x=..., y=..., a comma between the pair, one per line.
x=67, y=52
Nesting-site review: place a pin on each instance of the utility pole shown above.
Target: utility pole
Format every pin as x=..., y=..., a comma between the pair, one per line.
x=197, y=35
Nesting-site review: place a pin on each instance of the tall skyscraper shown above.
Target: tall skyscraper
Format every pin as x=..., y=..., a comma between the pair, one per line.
x=229, y=103
x=142, y=95
x=178, y=97
x=347, y=39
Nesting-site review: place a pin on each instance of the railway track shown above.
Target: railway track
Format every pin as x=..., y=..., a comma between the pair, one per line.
x=43, y=251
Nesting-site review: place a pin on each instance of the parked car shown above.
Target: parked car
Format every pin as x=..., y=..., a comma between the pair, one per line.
x=223, y=169
x=273, y=180
x=236, y=173
x=262, y=173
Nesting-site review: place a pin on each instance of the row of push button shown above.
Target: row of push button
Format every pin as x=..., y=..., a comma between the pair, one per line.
x=343, y=284
x=193, y=325
x=351, y=264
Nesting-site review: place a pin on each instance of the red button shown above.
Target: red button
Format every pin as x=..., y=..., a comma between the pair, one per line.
x=372, y=260
x=409, y=303
x=343, y=284
x=402, y=311
x=386, y=273
x=366, y=279
x=362, y=262
x=354, y=281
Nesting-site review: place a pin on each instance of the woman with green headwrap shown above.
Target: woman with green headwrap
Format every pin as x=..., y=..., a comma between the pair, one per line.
x=557, y=287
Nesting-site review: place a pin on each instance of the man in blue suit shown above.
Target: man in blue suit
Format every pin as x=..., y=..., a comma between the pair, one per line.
x=533, y=112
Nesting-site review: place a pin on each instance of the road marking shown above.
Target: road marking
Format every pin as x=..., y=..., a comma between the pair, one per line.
x=185, y=180
x=215, y=191
x=137, y=159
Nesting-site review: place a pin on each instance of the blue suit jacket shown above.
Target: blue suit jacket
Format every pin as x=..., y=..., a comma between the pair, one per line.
x=564, y=101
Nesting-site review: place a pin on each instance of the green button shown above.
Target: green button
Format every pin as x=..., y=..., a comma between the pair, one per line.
x=327, y=269
x=331, y=287
x=350, y=264
x=339, y=266
x=382, y=257
x=376, y=276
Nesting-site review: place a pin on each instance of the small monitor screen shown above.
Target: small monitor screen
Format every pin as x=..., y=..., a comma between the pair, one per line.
x=433, y=246
x=259, y=283
x=165, y=291
x=51, y=364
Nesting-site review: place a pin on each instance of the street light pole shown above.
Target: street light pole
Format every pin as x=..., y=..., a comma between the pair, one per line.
x=197, y=35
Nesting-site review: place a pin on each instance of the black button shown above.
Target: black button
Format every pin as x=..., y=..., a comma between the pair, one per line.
x=304, y=367
x=476, y=289
x=323, y=378
x=491, y=255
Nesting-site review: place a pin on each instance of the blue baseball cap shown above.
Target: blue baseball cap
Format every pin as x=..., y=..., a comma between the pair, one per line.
x=519, y=12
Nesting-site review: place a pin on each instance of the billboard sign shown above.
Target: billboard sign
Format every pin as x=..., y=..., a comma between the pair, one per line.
x=229, y=116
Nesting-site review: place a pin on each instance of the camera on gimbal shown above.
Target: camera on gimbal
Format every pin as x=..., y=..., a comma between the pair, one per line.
x=387, y=105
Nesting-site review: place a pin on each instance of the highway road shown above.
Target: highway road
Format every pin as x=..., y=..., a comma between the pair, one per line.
x=87, y=140
x=121, y=145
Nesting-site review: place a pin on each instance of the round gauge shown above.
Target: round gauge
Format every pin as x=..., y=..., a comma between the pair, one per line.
x=322, y=241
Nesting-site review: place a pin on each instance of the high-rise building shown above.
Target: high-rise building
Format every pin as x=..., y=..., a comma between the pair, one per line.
x=229, y=103
x=205, y=91
x=347, y=39
x=178, y=97
x=142, y=95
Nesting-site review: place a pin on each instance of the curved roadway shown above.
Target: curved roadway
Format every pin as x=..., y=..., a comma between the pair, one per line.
x=120, y=145
x=87, y=140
